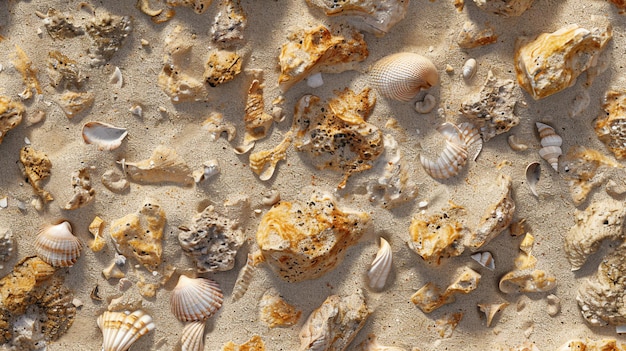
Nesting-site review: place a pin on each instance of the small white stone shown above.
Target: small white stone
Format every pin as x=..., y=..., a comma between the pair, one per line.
x=77, y=302
x=422, y=204
x=315, y=80
x=4, y=202
x=136, y=110
x=116, y=78
x=26, y=141
x=120, y=260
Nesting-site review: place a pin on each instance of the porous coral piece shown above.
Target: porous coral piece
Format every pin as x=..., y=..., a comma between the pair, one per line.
x=198, y=6
x=215, y=125
x=256, y=120
x=6, y=245
x=306, y=240
x=264, y=162
x=254, y=344
x=492, y=108
x=37, y=167
x=24, y=65
x=63, y=71
x=11, y=113
x=58, y=311
x=335, y=135
x=164, y=165
x=506, y=8
x=374, y=16
x=229, y=24
x=599, y=221
x=83, y=193
x=319, y=49
x=221, y=67
x=274, y=311
x=73, y=103
x=611, y=126
x=212, y=241
x=592, y=345
x=108, y=33
x=472, y=35
x=553, y=61
x=60, y=25
x=139, y=234
x=429, y=297
x=333, y=325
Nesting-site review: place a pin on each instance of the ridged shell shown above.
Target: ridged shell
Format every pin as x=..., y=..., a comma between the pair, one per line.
x=192, y=338
x=381, y=266
x=453, y=156
x=243, y=279
x=401, y=76
x=550, y=144
x=121, y=330
x=195, y=299
x=105, y=136
x=57, y=246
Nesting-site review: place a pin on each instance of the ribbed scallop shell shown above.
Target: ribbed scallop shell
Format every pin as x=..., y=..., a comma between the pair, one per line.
x=401, y=76
x=452, y=158
x=192, y=338
x=550, y=144
x=381, y=266
x=195, y=299
x=57, y=246
x=121, y=330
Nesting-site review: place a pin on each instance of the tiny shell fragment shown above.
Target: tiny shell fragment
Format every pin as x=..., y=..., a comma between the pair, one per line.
x=164, y=165
x=74, y=103
x=209, y=170
x=274, y=311
x=429, y=297
x=11, y=113
x=485, y=259
x=105, y=136
x=83, y=192
x=506, y=8
x=472, y=36
x=533, y=174
x=264, y=162
x=610, y=126
x=381, y=266
x=114, y=181
x=37, y=167
x=216, y=126
x=439, y=235
x=221, y=67
x=447, y=324
x=490, y=310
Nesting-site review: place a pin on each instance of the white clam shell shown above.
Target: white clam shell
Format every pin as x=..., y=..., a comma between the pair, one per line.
x=105, y=136
x=381, y=266
x=550, y=144
x=533, y=174
x=401, y=76
x=195, y=299
x=469, y=69
x=121, y=330
x=57, y=246
x=192, y=337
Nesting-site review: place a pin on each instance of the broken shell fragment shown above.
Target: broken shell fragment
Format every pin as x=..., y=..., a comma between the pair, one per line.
x=472, y=35
x=550, y=144
x=209, y=170
x=490, y=310
x=504, y=8
x=114, y=181
x=11, y=113
x=401, y=76
x=485, y=259
x=426, y=105
x=527, y=280
x=554, y=305
x=591, y=345
x=244, y=278
x=264, y=162
x=113, y=271
x=57, y=245
x=121, y=330
x=533, y=174
x=105, y=136
x=274, y=311
x=164, y=165
x=192, y=336
x=73, y=103
x=371, y=344
x=429, y=297
x=96, y=228
x=381, y=266
x=452, y=158
x=221, y=67
x=195, y=299
x=516, y=144
x=83, y=192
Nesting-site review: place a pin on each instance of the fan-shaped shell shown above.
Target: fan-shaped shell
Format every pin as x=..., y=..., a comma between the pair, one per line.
x=401, y=76
x=192, y=338
x=550, y=144
x=195, y=299
x=57, y=246
x=105, y=136
x=121, y=330
x=381, y=266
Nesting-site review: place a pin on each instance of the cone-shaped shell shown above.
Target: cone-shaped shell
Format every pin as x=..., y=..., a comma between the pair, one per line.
x=192, y=338
x=401, y=76
x=57, y=246
x=121, y=330
x=379, y=271
x=550, y=144
x=195, y=299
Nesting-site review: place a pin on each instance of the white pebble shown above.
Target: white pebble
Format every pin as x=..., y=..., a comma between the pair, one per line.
x=315, y=80
x=4, y=202
x=116, y=78
x=422, y=204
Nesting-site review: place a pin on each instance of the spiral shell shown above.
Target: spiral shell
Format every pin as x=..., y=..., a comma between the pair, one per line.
x=550, y=144
x=192, y=338
x=57, y=246
x=244, y=278
x=121, y=330
x=401, y=76
x=195, y=299
x=453, y=157
x=379, y=271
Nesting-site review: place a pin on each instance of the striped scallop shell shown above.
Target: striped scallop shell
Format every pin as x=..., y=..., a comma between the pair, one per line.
x=195, y=299
x=401, y=76
x=57, y=246
x=381, y=266
x=550, y=144
x=121, y=330
x=192, y=338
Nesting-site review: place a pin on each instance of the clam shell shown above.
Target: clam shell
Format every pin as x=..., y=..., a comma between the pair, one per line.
x=550, y=144
x=57, y=246
x=105, y=136
x=192, y=338
x=533, y=174
x=121, y=330
x=469, y=69
x=195, y=299
x=381, y=266
x=401, y=76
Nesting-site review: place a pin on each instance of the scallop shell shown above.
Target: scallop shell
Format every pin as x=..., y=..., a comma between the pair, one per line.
x=453, y=157
x=192, y=338
x=401, y=76
x=550, y=144
x=121, y=330
x=379, y=271
x=57, y=246
x=105, y=136
x=195, y=299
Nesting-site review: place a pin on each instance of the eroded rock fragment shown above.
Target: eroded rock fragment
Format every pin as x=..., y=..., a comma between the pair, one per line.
x=611, y=126
x=198, y=6
x=254, y=344
x=430, y=297
x=73, y=103
x=164, y=165
x=83, y=193
x=504, y=8
x=63, y=71
x=221, y=67
x=229, y=24
x=274, y=311
x=472, y=35
x=108, y=33
x=524, y=278
x=11, y=113
x=60, y=25
x=25, y=66
x=37, y=168
x=264, y=162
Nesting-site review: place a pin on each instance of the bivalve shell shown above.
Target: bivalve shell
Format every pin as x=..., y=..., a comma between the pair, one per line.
x=381, y=267
x=57, y=246
x=195, y=299
x=121, y=330
x=192, y=338
x=401, y=76
x=550, y=144
x=105, y=136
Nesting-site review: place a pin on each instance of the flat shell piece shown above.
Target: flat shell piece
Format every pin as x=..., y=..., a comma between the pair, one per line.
x=430, y=297
x=11, y=113
x=105, y=136
x=438, y=235
x=533, y=174
x=274, y=311
x=527, y=280
x=164, y=165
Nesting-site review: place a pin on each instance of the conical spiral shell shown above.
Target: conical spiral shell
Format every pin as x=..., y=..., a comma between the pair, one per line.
x=195, y=299
x=401, y=76
x=192, y=338
x=381, y=266
x=57, y=246
x=550, y=144
x=121, y=330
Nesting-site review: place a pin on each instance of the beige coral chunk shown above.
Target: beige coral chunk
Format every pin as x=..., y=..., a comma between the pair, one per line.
x=74, y=103
x=472, y=35
x=527, y=280
x=504, y=8
x=63, y=71
x=264, y=162
x=222, y=67
x=305, y=240
x=254, y=344
x=229, y=24
x=274, y=311
x=611, y=126
x=24, y=65
x=164, y=165
x=593, y=345
x=491, y=309
x=599, y=221
x=446, y=325
x=11, y=113
x=319, y=49
x=198, y=6
x=333, y=325
x=215, y=125
x=83, y=193
x=37, y=168
x=553, y=61
x=139, y=234
x=429, y=297
x=256, y=120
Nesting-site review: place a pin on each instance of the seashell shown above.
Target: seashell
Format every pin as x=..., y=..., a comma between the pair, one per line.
x=103, y=135
x=121, y=330
x=470, y=135
x=490, y=310
x=453, y=157
x=401, y=76
x=379, y=271
x=164, y=165
x=533, y=174
x=192, y=337
x=113, y=272
x=96, y=228
x=426, y=105
x=274, y=311
x=244, y=278
x=57, y=246
x=485, y=259
x=469, y=69
x=315, y=80
x=515, y=144
x=116, y=78
x=195, y=299
x=550, y=144
x=209, y=169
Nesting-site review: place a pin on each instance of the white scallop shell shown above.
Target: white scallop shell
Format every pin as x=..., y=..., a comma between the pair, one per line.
x=192, y=338
x=550, y=144
x=195, y=299
x=470, y=135
x=243, y=279
x=452, y=158
x=381, y=266
x=121, y=330
x=57, y=246
x=105, y=136
x=401, y=76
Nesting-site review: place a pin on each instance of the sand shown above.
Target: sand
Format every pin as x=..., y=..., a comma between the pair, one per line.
x=430, y=28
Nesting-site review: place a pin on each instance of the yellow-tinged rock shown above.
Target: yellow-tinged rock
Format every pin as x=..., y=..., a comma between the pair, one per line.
x=37, y=167
x=96, y=229
x=254, y=344
x=10, y=115
x=610, y=126
x=274, y=311
x=438, y=236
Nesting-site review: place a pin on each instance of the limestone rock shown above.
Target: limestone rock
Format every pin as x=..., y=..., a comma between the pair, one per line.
x=504, y=8
x=11, y=113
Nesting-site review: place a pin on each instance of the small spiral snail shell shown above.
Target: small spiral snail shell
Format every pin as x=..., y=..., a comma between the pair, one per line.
x=401, y=76
x=550, y=144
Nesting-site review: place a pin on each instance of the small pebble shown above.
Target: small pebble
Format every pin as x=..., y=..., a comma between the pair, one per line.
x=554, y=305
x=315, y=80
x=4, y=202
